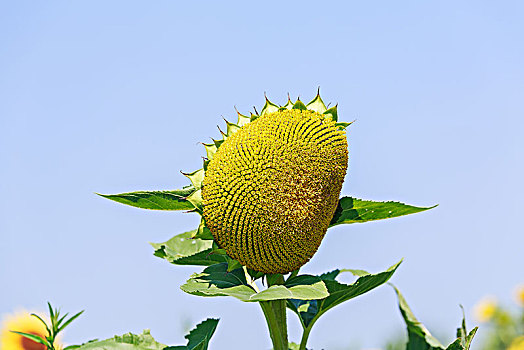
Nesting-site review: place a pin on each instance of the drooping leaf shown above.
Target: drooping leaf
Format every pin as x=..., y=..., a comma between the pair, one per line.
x=309, y=311
x=352, y=210
x=215, y=280
x=419, y=338
x=155, y=200
x=199, y=337
x=182, y=249
x=128, y=341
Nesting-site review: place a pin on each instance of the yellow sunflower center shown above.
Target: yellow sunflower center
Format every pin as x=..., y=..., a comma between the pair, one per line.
x=271, y=189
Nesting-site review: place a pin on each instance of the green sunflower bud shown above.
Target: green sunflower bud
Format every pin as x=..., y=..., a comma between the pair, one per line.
x=272, y=187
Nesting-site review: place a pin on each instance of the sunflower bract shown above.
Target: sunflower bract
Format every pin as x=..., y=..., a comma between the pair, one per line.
x=272, y=187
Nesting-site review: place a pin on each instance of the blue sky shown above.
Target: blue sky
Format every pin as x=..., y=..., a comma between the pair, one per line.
x=110, y=97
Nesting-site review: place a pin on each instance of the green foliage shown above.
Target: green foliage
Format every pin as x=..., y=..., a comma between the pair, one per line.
x=155, y=200
x=197, y=339
x=215, y=280
x=182, y=249
x=128, y=341
x=352, y=210
x=419, y=338
x=58, y=323
x=309, y=311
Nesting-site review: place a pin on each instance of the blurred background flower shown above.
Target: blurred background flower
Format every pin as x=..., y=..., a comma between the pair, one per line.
x=503, y=326
x=21, y=321
x=485, y=309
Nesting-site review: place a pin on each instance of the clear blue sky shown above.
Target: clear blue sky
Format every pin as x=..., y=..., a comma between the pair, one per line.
x=109, y=97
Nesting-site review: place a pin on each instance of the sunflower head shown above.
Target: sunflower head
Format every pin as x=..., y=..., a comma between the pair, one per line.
x=21, y=322
x=269, y=189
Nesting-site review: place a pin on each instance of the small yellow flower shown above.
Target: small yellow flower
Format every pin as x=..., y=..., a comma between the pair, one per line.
x=485, y=309
x=519, y=294
x=517, y=343
x=21, y=322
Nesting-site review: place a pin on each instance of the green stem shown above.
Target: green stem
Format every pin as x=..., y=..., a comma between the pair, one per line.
x=275, y=313
x=305, y=334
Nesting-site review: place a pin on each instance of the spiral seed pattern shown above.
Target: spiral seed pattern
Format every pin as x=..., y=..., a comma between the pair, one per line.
x=271, y=189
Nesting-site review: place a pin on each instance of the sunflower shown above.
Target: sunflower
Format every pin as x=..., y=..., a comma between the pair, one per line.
x=270, y=186
x=22, y=322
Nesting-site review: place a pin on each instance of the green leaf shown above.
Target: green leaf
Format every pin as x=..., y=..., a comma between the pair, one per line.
x=155, y=200
x=351, y=210
x=299, y=105
x=309, y=311
x=317, y=105
x=35, y=338
x=342, y=125
x=269, y=107
x=71, y=347
x=197, y=176
x=70, y=320
x=128, y=341
x=464, y=338
x=231, y=128
x=203, y=232
x=182, y=249
x=195, y=199
x=333, y=114
x=289, y=104
x=199, y=337
x=45, y=324
x=418, y=336
x=215, y=280
x=242, y=120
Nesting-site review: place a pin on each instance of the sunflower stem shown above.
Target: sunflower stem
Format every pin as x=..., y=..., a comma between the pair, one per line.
x=275, y=313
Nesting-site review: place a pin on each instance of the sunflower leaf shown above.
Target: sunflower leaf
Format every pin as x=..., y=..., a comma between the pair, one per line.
x=418, y=335
x=420, y=338
x=333, y=114
x=182, y=249
x=215, y=280
x=309, y=311
x=199, y=337
x=155, y=200
x=352, y=210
